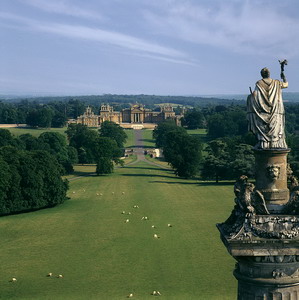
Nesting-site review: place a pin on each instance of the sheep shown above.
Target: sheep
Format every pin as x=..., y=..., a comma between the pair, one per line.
x=49, y=274
x=129, y=213
x=74, y=192
x=101, y=194
x=112, y=193
x=156, y=293
x=169, y=225
x=13, y=279
x=60, y=276
x=156, y=236
x=127, y=221
x=145, y=218
x=130, y=295
x=123, y=193
x=98, y=194
x=153, y=226
x=135, y=206
x=123, y=212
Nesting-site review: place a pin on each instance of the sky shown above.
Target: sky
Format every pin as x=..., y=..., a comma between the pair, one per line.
x=155, y=47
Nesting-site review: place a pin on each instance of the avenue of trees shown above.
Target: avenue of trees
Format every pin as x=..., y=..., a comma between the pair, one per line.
x=181, y=151
x=105, y=147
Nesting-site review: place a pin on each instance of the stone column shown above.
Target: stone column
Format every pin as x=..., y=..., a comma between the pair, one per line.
x=271, y=177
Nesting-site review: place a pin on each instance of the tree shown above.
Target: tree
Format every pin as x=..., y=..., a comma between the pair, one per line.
x=6, y=138
x=194, y=119
x=183, y=152
x=216, y=163
x=40, y=117
x=160, y=132
x=114, y=131
x=104, y=166
x=82, y=139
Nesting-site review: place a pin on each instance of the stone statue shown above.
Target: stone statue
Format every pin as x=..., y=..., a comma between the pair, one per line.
x=265, y=111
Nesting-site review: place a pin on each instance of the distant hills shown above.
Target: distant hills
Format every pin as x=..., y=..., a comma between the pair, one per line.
x=201, y=100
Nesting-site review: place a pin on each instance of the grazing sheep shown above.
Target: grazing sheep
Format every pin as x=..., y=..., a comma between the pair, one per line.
x=129, y=213
x=112, y=193
x=101, y=194
x=13, y=279
x=146, y=218
x=156, y=293
x=130, y=296
x=74, y=192
x=127, y=221
x=156, y=236
x=123, y=193
x=169, y=225
x=135, y=206
x=97, y=194
x=49, y=274
x=60, y=276
x=123, y=212
x=153, y=226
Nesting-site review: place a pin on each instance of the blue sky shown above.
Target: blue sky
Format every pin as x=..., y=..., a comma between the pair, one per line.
x=161, y=47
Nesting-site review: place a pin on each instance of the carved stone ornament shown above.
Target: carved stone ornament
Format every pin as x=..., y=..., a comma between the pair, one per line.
x=250, y=216
x=273, y=172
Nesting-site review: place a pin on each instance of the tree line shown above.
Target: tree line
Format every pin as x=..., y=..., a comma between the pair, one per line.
x=31, y=167
x=227, y=149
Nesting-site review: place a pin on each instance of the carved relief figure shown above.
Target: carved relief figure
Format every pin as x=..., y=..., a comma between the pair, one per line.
x=265, y=112
x=273, y=172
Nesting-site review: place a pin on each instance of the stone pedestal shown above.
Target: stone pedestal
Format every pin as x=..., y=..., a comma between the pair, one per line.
x=271, y=177
x=266, y=249
x=262, y=233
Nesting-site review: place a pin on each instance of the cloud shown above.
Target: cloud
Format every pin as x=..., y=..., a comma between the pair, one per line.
x=250, y=27
x=140, y=46
x=63, y=7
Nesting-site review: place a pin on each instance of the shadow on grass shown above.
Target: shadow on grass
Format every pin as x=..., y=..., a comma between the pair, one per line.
x=149, y=175
x=148, y=168
x=175, y=182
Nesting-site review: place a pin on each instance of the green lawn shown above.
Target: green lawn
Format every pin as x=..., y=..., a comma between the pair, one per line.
x=148, y=141
x=130, y=140
x=35, y=132
x=101, y=257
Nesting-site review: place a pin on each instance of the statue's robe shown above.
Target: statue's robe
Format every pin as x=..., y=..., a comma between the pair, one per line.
x=266, y=115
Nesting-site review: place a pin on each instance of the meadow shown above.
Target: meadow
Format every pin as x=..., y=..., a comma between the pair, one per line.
x=101, y=256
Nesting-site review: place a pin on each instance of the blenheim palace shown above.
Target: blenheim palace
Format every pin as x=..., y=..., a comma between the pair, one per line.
x=136, y=116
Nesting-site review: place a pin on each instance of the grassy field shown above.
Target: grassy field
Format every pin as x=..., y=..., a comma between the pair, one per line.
x=35, y=132
x=147, y=137
x=130, y=140
x=101, y=257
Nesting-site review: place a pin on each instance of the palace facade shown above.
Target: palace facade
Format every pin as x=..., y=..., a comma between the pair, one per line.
x=134, y=117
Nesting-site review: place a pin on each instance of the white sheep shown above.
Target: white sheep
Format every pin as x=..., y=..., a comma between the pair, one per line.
x=13, y=279
x=112, y=193
x=123, y=212
x=101, y=194
x=98, y=194
x=49, y=274
x=127, y=221
x=156, y=236
x=123, y=193
x=129, y=213
x=74, y=192
x=169, y=225
x=60, y=276
x=130, y=296
x=153, y=226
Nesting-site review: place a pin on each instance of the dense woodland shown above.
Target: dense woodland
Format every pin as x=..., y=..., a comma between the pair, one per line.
x=31, y=167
